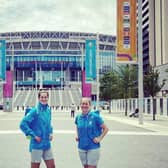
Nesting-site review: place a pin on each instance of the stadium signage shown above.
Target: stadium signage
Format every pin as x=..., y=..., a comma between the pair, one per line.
x=126, y=31
x=90, y=60
x=2, y=60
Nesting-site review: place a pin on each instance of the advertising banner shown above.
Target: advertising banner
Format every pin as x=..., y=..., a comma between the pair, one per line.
x=126, y=31
x=8, y=86
x=90, y=60
x=2, y=60
x=86, y=87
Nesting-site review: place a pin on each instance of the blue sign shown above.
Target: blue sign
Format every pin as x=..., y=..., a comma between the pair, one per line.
x=2, y=60
x=90, y=60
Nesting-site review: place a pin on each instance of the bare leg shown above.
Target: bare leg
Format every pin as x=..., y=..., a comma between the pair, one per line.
x=91, y=166
x=35, y=165
x=50, y=163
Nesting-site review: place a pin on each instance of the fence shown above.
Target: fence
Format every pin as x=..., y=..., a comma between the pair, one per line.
x=160, y=105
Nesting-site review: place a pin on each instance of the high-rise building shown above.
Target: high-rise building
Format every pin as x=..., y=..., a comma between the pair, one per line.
x=155, y=36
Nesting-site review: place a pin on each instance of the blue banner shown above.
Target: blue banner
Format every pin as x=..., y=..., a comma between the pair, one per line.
x=90, y=60
x=2, y=60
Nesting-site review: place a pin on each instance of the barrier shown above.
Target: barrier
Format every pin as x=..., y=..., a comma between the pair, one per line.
x=160, y=105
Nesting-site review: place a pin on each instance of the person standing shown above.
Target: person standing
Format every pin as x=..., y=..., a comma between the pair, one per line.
x=90, y=129
x=36, y=124
x=73, y=108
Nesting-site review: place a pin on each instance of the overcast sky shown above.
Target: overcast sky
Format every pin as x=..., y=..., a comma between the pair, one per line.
x=58, y=15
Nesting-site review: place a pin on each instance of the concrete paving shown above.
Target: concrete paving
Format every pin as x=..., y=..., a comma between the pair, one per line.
x=160, y=125
x=127, y=145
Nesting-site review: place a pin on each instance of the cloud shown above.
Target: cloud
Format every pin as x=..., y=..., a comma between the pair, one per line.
x=58, y=15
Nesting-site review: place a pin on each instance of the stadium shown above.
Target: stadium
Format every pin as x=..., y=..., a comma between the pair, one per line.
x=53, y=60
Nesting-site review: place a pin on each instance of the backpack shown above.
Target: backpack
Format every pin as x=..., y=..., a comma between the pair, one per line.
x=27, y=110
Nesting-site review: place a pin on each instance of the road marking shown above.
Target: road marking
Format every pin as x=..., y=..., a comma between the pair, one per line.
x=19, y=119
x=9, y=132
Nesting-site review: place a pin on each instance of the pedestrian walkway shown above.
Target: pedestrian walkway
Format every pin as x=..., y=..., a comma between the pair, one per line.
x=160, y=125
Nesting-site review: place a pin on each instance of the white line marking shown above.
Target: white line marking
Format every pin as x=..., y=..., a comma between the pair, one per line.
x=9, y=132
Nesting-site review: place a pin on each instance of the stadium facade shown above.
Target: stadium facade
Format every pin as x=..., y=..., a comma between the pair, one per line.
x=53, y=59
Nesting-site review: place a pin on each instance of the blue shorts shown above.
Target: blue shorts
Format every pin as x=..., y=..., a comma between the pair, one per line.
x=38, y=154
x=89, y=157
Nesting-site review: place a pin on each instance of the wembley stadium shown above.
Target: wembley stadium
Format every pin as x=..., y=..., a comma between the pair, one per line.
x=53, y=60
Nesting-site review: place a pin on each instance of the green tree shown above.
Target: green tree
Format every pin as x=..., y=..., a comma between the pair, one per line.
x=127, y=82
x=109, y=87
x=119, y=84
x=152, y=86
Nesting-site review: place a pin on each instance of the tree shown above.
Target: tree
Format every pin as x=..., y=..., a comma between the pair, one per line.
x=151, y=85
x=119, y=84
x=128, y=85
x=109, y=87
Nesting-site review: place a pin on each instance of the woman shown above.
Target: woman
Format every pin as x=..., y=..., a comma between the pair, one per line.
x=90, y=131
x=37, y=125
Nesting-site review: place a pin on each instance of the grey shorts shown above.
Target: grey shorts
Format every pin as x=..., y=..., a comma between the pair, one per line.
x=37, y=155
x=89, y=157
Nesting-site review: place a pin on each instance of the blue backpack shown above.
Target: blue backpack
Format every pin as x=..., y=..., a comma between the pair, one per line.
x=27, y=110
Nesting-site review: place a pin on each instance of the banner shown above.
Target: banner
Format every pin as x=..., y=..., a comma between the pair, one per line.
x=90, y=60
x=86, y=87
x=8, y=86
x=2, y=60
x=126, y=31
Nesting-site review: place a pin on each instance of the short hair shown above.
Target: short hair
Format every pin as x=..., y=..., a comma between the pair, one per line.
x=86, y=98
x=43, y=91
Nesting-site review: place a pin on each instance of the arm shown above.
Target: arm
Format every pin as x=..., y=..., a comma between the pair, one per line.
x=51, y=136
x=77, y=135
x=104, y=132
x=51, y=128
x=26, y=122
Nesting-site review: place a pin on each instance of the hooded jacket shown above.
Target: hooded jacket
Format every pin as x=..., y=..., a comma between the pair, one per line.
x=38, y=123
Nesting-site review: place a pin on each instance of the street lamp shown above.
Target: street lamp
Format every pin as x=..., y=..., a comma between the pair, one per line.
x=140, y=63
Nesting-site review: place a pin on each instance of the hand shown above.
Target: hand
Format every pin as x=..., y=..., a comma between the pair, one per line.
x=97, y=139
x=77, y=139
x=50, y=137
x=38, y=139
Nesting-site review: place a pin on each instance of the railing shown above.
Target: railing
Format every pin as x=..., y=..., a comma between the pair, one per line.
x=160, y=105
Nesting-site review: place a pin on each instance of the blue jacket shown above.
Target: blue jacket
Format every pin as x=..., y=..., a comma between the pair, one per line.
x=89, y=127
x=38, y=123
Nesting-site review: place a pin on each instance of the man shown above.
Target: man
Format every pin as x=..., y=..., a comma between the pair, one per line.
x=73, y=107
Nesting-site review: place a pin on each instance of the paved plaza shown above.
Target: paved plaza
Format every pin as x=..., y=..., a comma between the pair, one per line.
x=127, y=145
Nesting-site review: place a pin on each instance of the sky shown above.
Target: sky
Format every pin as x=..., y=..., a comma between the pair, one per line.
x=92, y=16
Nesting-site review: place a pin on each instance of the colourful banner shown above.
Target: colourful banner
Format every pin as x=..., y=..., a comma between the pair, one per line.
x=2, y=60
x=90, y=60
x=126, y=31
x=86, y=87
x=8, y=86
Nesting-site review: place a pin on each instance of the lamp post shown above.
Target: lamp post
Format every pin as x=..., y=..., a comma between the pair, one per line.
x=140, y=63
x=97, y=70
x=36, y=80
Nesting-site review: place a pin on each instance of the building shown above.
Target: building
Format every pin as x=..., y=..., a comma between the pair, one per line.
x=155, y=36
x=53, y=59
